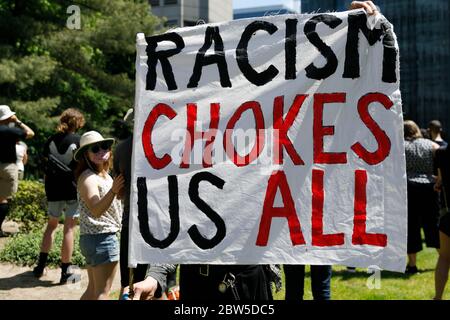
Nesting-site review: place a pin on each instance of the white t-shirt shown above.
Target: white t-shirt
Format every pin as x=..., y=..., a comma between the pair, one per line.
x=21, y=150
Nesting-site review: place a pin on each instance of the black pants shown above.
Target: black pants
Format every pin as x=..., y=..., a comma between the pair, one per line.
x=141, y=269
x=423, y=213
x=295, y=282
x=201, y=282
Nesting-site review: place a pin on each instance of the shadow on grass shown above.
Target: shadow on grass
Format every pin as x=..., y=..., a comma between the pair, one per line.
x=24, y=280
x=345, y=275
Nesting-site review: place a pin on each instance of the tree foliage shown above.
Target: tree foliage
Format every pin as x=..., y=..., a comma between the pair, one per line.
x=46, y=67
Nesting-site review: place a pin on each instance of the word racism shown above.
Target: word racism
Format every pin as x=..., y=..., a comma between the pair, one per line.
x=333, y=148
x=356, y=23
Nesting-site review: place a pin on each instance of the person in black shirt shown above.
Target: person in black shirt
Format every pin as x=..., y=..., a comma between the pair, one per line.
x=122, y=165
x=60, y=189
x=435, y=130
x=11, y=130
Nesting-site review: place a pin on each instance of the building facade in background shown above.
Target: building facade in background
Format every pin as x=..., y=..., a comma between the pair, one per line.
x=308, y=6
x=184, y=13
x=423, y=31
x=263, y=11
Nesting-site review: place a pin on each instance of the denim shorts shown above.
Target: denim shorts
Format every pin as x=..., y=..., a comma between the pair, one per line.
x=69, y=207
x=99, y=248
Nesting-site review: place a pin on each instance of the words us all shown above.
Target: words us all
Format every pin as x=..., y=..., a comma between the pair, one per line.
x=277, y=180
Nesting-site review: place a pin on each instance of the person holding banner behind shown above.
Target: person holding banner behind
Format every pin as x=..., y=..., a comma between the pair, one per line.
x=122, y=165
x=203, y=282
x=320, y=281
x=100, y=213
x=423, y=204
x=320, y=274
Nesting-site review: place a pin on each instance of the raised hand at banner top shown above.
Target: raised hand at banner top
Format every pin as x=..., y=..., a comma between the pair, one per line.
x=369, y=6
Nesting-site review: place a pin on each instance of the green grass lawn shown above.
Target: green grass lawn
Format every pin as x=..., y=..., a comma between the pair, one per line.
x=393, y=286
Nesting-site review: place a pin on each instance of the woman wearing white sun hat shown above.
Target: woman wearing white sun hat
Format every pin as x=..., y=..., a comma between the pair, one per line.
x=9, y=135
x=100, y=213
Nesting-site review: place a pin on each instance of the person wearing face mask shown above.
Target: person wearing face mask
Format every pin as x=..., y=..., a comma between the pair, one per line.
x=100, y=213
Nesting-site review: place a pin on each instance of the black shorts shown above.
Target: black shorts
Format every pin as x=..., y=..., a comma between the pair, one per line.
x=423, y=213
x=444, y=224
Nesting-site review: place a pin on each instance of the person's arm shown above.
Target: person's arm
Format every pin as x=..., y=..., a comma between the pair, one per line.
x=437, y=168
x=88, y=187
x=25, y=156
x=154, y=284
x=435, y=147
x=438, y=183
x=29, y=133
x=160, y=272
x=369, y=6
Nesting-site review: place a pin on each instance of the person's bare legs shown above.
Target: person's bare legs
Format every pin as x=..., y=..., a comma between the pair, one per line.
x=103, y=278
x=47, y=239
x=68, y=239
x=89, y=294
x=442, y=266
x=412, y=259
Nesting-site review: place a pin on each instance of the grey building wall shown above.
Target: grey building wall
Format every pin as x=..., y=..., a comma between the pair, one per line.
x=324, y=5
x=220, y=10
x=262, y=11
x=423, y=32
x=190, y=12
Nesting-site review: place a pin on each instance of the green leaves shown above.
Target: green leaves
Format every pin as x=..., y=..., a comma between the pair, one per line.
x=29, y=206
x=46, y=67
x=27, y=71
x=24, y=249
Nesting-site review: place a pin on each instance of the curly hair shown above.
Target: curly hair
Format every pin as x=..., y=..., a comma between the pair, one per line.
x=70, y=121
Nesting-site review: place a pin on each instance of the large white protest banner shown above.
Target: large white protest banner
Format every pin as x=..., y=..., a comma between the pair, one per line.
x=270, y=140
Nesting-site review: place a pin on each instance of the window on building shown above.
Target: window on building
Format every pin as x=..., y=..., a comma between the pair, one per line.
x=170, y=1
x=171, y=23
x=154, y=3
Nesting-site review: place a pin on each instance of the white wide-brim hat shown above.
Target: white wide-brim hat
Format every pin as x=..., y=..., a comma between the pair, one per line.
x=5, y=112
x=88, y=139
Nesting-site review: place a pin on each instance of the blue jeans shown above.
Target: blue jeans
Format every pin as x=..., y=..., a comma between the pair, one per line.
x=100, y=248
x=295, y=282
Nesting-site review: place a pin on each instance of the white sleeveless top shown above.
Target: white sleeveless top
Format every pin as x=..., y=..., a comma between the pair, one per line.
x=109, y=221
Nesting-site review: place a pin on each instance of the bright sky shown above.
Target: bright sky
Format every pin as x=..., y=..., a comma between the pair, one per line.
x=237, y=4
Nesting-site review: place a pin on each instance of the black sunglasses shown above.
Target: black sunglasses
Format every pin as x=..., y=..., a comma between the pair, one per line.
x=105, y=146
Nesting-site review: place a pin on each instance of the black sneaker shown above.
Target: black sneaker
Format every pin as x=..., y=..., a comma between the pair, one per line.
x=411, y=270
x=69, y=277
x=38, y=271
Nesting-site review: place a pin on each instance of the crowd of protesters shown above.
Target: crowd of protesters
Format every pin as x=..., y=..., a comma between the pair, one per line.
x=427, y=169
x=83, y=182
